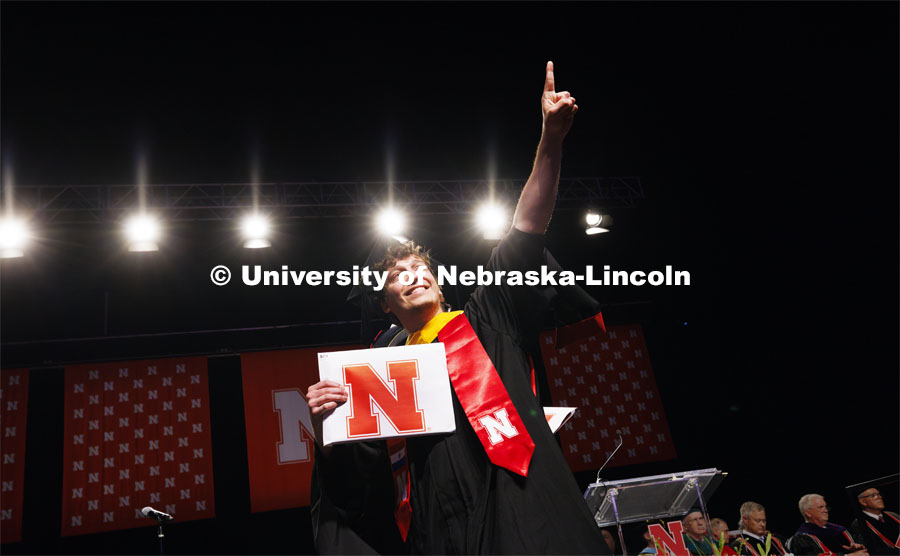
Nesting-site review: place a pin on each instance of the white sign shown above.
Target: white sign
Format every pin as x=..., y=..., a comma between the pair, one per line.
x=558, y=416
x=393, y=391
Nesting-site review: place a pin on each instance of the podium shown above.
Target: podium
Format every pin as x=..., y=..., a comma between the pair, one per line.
x=647, y=498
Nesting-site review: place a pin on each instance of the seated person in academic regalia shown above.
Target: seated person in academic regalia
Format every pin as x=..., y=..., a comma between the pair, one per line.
x=819, y=536
x=879, y=530
x=696, y=535
x=717, y=527
x=753, y=533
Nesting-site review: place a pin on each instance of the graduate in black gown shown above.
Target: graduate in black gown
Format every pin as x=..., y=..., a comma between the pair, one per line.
x=461, y=502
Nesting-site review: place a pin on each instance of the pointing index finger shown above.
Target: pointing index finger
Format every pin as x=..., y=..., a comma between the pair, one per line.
x=549, y=83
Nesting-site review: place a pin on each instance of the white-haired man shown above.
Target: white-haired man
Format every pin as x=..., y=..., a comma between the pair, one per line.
x=753, y=532
x=819, y=536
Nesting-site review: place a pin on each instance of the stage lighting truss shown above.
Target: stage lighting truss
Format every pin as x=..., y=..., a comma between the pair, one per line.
x=292, y=201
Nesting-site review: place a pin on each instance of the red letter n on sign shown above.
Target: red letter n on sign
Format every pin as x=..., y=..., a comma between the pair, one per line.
x=672, y=544
x=399, y=404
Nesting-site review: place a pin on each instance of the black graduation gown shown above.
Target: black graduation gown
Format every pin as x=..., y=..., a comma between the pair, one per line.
x=461, y=503
x=889, y=530
x=751, y=545
x=355, y=517
x=834, y=537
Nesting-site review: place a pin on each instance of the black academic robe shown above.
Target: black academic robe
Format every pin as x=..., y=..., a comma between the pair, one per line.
x=811, y=539
x=754, y=546
x=879, y=537
x=461, y=502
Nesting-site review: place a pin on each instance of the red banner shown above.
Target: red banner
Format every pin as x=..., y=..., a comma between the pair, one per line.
x=13, y=414
x=136, y=435
x=609, y=378
x=279, y=433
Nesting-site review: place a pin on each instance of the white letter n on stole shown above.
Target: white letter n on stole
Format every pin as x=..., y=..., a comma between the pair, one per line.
x=498, y=426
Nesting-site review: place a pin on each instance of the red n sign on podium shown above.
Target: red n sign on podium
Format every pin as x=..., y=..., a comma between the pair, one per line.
x=673, y=543
x=395, y=391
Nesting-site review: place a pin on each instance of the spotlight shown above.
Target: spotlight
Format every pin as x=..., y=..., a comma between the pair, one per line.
x=597, y=223
x=391, y=222
x=256, y=231
x=142, y=231
x=492, y=220
x=13, y=237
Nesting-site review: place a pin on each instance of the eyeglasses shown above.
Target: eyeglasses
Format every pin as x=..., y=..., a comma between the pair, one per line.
x=873, y=495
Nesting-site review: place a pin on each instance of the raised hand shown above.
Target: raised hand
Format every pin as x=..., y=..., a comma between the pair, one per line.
x=558, y=108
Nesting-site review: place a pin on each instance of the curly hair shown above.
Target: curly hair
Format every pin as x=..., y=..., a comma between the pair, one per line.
x=393, y=254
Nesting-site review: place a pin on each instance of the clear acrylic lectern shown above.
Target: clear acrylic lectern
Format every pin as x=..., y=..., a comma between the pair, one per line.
x=646, y=498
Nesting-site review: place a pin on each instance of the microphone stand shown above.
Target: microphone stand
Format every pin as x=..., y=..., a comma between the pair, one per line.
x=618, y=525
x=621, y=441
x=160, y=519
x=161, y=537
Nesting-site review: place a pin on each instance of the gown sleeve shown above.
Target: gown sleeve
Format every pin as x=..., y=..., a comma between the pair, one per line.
x=519, y=310
x=352, y=501
x=523, y=311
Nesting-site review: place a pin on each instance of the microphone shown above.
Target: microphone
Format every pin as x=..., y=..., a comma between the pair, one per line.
x=147, y=511
x=621, y=441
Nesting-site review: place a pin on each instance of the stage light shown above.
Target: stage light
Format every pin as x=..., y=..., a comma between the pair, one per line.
x=13, y=237
x=142, y=231
x=492, y=220
x=597, y=223
x=391, y=222
x=256, y=231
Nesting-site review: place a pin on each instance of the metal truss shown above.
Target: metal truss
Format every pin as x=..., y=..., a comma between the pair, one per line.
x=225, y=201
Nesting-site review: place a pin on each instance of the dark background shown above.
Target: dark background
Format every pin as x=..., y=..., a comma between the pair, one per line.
x=765, y=136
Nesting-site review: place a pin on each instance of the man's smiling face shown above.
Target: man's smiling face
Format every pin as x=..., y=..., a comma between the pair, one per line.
x=419, y=299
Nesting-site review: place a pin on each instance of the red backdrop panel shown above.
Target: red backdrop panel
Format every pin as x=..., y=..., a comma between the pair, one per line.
x=136, y=434
x=609, y=378
x=279, y=439
x=13, y=413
